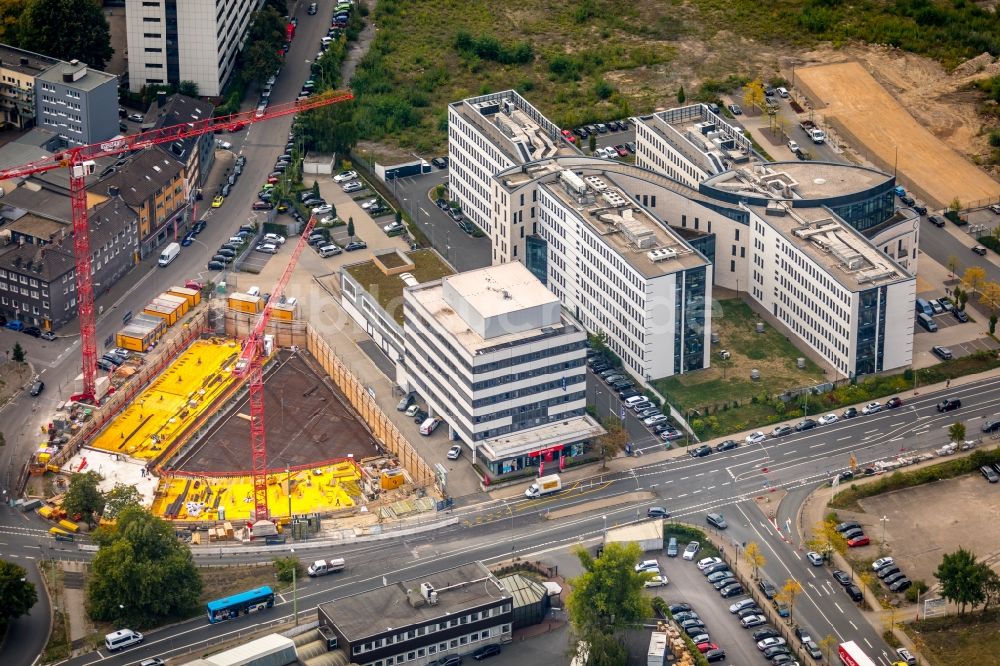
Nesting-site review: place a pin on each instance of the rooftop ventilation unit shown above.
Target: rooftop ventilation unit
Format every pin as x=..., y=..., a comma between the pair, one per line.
x=574, y=184
x=809, y=232
x=663, y=254
x=878, y=273
x=428, y=593
x=637, y=233
x=613, y=198
x=597, y=183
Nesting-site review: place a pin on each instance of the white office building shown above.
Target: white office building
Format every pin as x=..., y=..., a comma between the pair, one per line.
x=494, y=357
x=487, y=135
x=170, y=41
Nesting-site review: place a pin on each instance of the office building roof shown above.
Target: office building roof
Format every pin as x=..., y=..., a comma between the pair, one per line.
x=652, y=248
x=498, y=290
x=703, y=137
x=400, y=605
x=808, y=181
x=77, y=75
x=575, y=429
x=387, y=289
x=514, y=126
x=842, y=251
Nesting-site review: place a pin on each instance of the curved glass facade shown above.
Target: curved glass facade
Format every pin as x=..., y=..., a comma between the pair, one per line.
x=867, y=213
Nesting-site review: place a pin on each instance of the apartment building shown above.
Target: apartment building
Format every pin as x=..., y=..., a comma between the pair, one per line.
x=154, y=184
x=197, y=153
x=18, y=69
x=170, y=41
x=487, y=135
x=418, y=621
x=37, y=267
x=77, y=102
x=494, y=357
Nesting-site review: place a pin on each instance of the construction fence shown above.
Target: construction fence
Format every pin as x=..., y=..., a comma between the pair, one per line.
x=382, y=427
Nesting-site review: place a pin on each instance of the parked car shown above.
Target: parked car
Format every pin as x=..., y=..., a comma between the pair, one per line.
x=872, y=408
x=353, y=186
x=828, y=419
x=894, y=402
x=700, y=451
x=960, y=315
x=345, y=176
x=756, y=437
x=727, y=445
x=782, y=430
x=805, y=424
x=691, y=550
x=859, y=541
x=355, y=245
x=485, y=651
x=850, y=413
x=735, y=109
x=936, y=220
x=753, y=621
x=716, y=520
x=454, y=452
x=942, y=353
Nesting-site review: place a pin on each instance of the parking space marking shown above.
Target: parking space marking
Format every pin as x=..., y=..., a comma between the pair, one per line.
x=838, y=606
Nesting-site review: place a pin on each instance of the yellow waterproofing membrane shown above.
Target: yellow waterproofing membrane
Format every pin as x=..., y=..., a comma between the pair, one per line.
x=316, y=490
x=161, y=412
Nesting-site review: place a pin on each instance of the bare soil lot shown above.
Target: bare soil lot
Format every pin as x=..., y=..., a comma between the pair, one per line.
x=849, y=96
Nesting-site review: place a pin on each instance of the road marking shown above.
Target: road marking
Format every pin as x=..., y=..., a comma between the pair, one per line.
x=424, y=211
x=896, y=425
x=701, y=474
x=710, y=488
x=816, y=446
x=838, y=606
x=895, y=439
x=680, y=496
x=868, y=432
x=685, y=478
x=844, y=438
x=851, y=622
x=867, y=641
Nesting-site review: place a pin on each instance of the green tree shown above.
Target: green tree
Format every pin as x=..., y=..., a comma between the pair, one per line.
x=350, y=227
x=593, y=142
x=68, y=30
x=189, y=88
x=962, y=579
x=284, y=566
x=331, y=128
x=120, y=497
x=952, y=264
x=83, y=496
x=17, y=353
x=18, y=594
x=607, y=598
x=142, y=575
x=260, y=61
x=991, y=588
x=957, y=431
x=315, y=189
x=440, y=191
x=612, y=441
x=399, y=217
x=680, y=95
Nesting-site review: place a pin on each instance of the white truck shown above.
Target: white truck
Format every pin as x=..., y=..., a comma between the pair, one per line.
x=544, y=485
x=324, y=567
x=169, y=253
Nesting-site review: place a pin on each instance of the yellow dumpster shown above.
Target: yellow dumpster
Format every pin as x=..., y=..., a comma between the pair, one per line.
x=69, y=525
x=47, y=512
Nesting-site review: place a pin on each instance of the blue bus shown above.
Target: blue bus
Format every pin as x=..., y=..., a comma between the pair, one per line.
x=244, y=603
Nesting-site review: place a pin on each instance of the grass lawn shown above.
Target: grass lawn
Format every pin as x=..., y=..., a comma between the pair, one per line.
x=944, y=641
x=218, y=582
x=719, y=389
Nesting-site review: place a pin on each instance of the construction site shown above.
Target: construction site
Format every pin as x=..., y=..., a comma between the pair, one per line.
x=175, y=423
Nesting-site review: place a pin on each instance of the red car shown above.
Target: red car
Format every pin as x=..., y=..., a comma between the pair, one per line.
x=856, y=542
x=272, y=179
x=705, y=647
x=568, y=135
x=621, y=151
x=893, y=403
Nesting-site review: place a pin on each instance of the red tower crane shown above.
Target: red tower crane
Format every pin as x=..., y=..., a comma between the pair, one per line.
x=80, y=161
x=251, y=363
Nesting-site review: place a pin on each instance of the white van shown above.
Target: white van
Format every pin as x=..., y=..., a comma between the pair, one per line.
x=253, y=291
x=783, y=92
x=634, y=400
x=169, y=254
x=122, y=638
x=329, y=251
x=429, y=425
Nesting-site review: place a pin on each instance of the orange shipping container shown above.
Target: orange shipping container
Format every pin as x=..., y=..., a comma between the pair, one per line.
x=165, y=312
x=193, y=296
x=245, y=303
x=182, y=303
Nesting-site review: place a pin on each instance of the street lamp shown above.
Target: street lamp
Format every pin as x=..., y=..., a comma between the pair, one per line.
x=883, y=520
x=605, y=527
x=295, y=589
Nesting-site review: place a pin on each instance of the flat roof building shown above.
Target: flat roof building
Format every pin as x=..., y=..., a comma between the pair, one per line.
x=77, y=102
x=494, y=357
x=420, y=620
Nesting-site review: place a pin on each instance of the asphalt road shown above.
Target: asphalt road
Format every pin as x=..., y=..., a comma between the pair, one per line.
x=415, y=195
x=688, y=487
x=939, y=245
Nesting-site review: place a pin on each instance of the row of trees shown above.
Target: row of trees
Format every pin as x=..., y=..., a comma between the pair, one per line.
x=974, y=282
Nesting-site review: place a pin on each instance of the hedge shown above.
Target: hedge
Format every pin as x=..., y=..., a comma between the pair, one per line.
x=949, y=469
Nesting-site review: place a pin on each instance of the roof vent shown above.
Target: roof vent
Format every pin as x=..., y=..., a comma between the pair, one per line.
x=428, y=593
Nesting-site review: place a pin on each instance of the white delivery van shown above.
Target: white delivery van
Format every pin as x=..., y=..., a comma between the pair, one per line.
x=122, y=638
x=169, y=253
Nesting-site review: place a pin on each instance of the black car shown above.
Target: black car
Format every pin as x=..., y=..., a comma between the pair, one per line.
x=719, y=566
x=717, y=654
x=486, y=651
x=37, y=388
x=843, y=577
x=105, y=365
x=731, y=591
x=907, y=199
x=216, y=265
x=936, y=220
x=678, y=608
x=887, y=571
x=768, y=588
x=847, y=525
x=782, y=430
x=960, y=315
x=629, y=393
x=850, y=413
x=949, y=404
x=920, y=208
x=991, y=425
x=807, y=424
x=199, y=227
x=893, y=577
x=901, y=585
x=355, y=245
x=442, y=163
x=33, y=331
x=764, y=632
x=727, y=445
x=700, y=451
x=657, y=512
x=420, y=416
x=854, y=592
x=853, y=533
